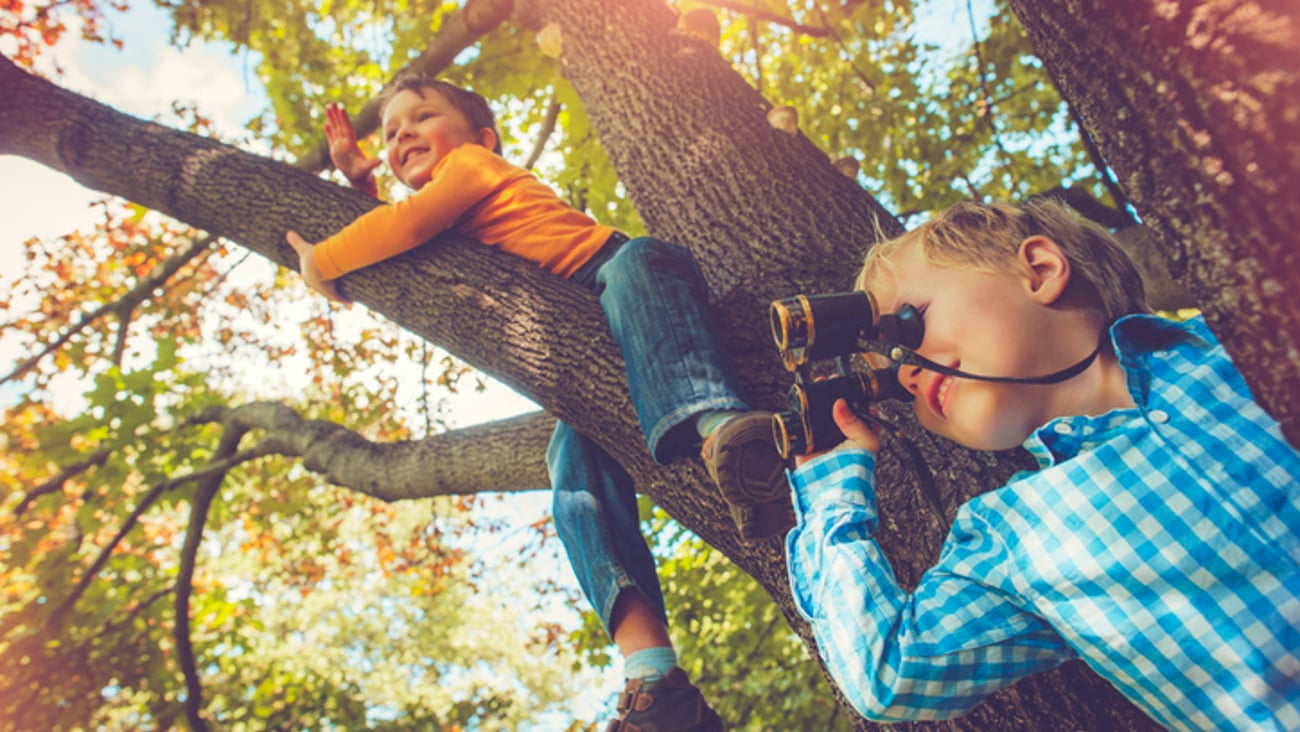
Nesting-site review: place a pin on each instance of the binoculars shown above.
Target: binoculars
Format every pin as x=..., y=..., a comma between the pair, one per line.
x=808, y=328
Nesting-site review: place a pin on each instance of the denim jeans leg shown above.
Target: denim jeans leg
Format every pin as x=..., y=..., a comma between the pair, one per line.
x=596, y=519
x=656, y=302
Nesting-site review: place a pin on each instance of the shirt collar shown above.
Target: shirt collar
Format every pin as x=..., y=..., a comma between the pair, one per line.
x=1136, y=338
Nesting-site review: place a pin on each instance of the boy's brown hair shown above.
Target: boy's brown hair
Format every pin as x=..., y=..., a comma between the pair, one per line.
x=474, y=107
x=987, y=236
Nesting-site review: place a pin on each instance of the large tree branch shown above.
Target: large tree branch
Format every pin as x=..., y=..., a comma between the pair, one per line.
x=502, y=456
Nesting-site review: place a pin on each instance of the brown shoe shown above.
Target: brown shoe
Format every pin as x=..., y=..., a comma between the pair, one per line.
x=742, y=458
x=670, y=704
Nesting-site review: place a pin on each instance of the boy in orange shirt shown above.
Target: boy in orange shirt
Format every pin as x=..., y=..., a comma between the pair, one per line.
x=442, y=142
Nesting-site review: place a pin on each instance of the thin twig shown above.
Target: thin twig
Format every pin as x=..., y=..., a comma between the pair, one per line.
x=548, y=128
x=96, y=459
x=848, y=55
x=128, y=301
x=1121, y=201
x=215, y=467
x=199, y=506
x=755, y=14
x=123, y=330
x=984, y=91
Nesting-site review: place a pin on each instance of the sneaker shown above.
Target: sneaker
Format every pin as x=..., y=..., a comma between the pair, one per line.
x=742, y=459
x=670, y=704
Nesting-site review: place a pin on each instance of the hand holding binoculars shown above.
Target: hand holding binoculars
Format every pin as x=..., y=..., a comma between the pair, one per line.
x=808, y=328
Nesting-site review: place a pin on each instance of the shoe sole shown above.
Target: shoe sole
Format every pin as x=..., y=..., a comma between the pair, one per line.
x=751, y=476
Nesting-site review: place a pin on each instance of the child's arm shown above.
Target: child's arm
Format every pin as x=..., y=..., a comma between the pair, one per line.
x=933, y=653
x=311, y=274
x=354, y=164
x=458, y=184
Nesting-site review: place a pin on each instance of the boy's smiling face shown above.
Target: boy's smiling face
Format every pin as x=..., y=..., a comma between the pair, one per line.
x=420, y=130
x=991, y=324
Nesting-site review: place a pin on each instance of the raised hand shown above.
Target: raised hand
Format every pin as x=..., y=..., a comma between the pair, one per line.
x=354, y=164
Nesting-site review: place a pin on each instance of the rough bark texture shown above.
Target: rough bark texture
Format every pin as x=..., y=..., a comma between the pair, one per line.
x=505, y=456
x=1196, y=106
x=765, y=212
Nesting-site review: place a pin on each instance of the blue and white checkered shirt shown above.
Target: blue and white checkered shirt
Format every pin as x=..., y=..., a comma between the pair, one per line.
x=1159, y=544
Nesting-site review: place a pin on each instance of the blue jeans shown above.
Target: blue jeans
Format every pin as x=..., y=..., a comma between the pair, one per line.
x=655, y=301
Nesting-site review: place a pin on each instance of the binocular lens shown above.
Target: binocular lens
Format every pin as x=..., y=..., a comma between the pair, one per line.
x=788, y=434
x=791, y=322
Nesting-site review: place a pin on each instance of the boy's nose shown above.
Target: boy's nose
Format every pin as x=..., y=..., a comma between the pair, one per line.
x=910, y=378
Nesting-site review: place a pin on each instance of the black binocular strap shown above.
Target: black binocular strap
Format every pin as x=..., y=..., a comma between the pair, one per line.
x=907, y=357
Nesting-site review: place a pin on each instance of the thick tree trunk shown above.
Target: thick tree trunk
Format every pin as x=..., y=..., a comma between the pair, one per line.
x=767, y=215
x=1196, y=106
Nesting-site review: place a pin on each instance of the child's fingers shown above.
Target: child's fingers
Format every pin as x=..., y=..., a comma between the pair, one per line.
x=855, y=430
x=337, y=124
x=299, y=244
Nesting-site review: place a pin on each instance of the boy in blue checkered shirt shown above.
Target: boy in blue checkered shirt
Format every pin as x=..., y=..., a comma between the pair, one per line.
x=1159, y=541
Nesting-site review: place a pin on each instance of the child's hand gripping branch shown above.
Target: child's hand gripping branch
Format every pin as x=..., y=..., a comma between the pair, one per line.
x=311, y=273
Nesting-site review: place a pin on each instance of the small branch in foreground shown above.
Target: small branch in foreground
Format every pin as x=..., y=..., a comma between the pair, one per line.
x=96, y=459
x=199, y=506
x=219, y=467
x=122, y=306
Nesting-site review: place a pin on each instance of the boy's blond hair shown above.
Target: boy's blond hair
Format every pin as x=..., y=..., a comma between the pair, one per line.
x=987, y=236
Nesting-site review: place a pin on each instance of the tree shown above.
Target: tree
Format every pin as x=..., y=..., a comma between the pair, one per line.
x=686, y=159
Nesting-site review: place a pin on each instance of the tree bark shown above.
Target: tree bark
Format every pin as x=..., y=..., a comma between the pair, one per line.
x=1196, y=107
x=501, y=457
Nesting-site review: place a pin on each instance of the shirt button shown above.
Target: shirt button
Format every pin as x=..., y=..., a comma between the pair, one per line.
x=1063, y=428
x=1159, y=416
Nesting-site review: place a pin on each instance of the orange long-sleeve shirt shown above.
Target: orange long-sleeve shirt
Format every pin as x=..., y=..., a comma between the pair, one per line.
x=481, y=195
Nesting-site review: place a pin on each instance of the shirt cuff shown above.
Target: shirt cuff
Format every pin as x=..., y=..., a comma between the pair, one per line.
x=842, y=475
x=325, y=263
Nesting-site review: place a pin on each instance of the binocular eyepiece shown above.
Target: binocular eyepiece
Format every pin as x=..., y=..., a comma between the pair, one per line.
x=807, y=328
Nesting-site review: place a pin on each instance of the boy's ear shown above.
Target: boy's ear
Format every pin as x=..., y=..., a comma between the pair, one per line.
x=1048, y=267
x=487, y=137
